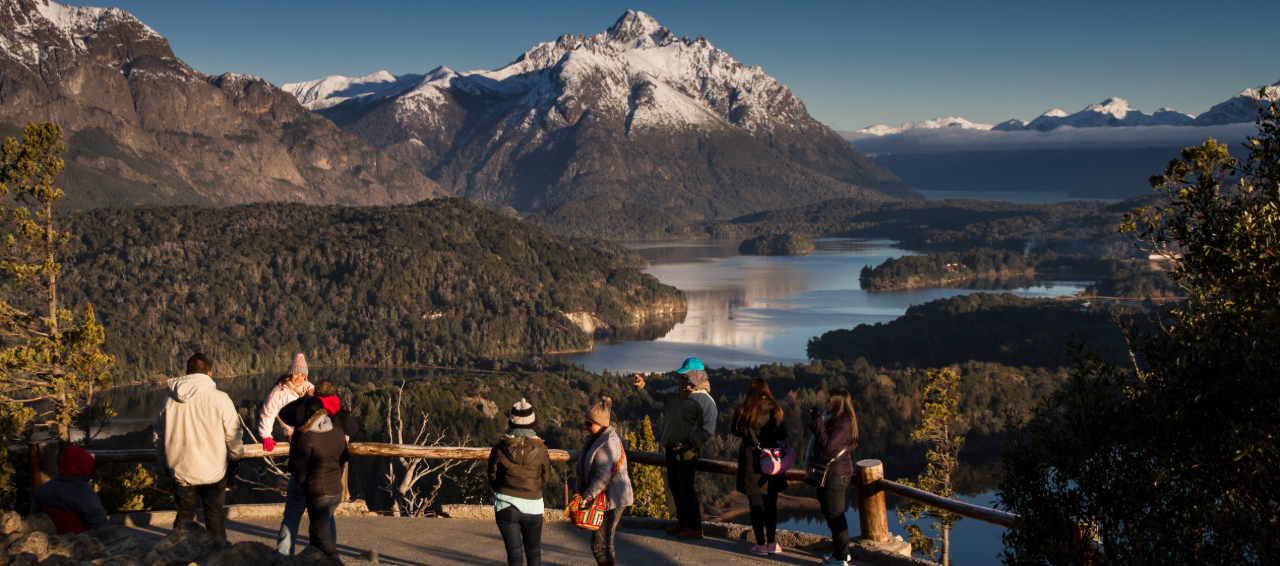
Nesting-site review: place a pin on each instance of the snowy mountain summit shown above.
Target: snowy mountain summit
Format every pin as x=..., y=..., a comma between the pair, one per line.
x=634, y=111
x=948, y=122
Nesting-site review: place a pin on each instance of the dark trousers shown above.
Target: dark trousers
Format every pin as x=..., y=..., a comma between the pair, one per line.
x=680, y=477
x=833, y=502
x=522, y=533
x=319, y=513
x=764, y=517
x=602, y=538
x=212, y=496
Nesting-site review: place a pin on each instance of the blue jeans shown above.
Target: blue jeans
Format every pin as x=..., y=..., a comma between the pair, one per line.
x=295, y=504
x=522, y=535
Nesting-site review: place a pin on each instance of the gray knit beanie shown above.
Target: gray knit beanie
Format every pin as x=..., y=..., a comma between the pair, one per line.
x=521, y=414
x=299, y=365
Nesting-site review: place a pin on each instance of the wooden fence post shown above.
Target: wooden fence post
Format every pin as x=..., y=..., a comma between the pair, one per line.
x=872, y=514
x=44, y=461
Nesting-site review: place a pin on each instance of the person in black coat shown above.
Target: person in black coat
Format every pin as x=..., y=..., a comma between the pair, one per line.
x=758, y=421
x=835, y=435
x=317, y=453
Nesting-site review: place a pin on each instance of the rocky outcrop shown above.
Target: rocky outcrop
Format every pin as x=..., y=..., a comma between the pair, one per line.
x=142, y=127
x=32, y=541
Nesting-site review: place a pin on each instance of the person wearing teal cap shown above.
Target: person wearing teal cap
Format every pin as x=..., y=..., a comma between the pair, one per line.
x=688, y=422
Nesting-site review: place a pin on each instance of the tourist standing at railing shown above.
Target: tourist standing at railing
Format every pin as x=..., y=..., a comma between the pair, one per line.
x=835, y=435
x=317, y=454
x=291, y=386
x=198, y=439
x=688, y=422
x=758, y=421
x=295, y=499
x=602, y=468
x=519, y=469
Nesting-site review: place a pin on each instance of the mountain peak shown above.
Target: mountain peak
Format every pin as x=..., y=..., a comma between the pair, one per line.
x=634, y=28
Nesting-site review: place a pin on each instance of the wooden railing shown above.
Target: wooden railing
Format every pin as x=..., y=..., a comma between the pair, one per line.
x=872, y=513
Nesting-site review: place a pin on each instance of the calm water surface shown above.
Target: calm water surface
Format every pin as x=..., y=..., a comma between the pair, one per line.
x=751, y=310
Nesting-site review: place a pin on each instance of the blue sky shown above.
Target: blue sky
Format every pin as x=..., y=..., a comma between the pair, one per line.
x=853, y=63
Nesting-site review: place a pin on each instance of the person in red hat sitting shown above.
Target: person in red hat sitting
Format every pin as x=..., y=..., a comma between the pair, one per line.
x=69, y=499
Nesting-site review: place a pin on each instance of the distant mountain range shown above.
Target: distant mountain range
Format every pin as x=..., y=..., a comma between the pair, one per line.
x=1112, y=112
x=144, y=128
x=634, y=113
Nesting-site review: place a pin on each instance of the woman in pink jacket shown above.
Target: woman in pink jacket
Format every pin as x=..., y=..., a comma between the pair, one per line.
x=290, y=387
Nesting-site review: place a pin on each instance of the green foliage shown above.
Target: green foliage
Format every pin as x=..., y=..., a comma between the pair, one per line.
x=442, y=282
x=608, y=218
x=1173, y=461
x=1136, y=279
x=940, y=427
x=646, y=481
x=47, y=356
x=126, y=488
x=776, y=244
x=1005, y=329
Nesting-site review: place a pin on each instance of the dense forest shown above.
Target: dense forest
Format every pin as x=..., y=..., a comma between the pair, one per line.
x=1005, y=329
x=470, y=408
x=1077, y=227
x=605, y=217
x=986, y=268
x=439, y=282
x=776, y=244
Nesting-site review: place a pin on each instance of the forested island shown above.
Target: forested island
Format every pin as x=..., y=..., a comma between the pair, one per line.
x=441, y=282
x=776, y=244
x=1005, y=329
x=987, y=268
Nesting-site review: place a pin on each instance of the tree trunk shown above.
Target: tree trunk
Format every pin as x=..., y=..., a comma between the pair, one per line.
x=946, y=547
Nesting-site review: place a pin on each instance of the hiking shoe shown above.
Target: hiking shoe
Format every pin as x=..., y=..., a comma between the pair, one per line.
x=689, y=533
x=758, y=550
x=773, y=548
x=828, y=561
x=676, y=530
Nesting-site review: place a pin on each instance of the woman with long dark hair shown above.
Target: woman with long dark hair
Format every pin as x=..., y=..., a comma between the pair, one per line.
x=835, y=435
x=758, y=421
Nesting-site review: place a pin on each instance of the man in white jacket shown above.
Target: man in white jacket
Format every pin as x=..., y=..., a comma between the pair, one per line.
x=196, y=433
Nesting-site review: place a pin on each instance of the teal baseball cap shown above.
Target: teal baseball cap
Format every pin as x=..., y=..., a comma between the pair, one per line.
x=690, y=365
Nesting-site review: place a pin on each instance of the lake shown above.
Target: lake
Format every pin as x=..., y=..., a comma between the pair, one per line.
x=751, y=310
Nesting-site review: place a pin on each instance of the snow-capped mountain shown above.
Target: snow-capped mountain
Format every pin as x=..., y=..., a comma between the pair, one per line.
x=145, y=128
x=333, y=90
x=948, y=122
x=1238, y=109
x=634, y=112
x=1112, y=112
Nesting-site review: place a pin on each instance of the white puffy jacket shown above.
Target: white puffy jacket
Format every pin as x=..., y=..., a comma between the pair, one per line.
x=197, y=431
x=282, y=394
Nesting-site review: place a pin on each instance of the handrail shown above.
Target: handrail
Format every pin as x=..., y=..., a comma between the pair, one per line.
x=435, y=452
x=984, y=514
x=869, y=476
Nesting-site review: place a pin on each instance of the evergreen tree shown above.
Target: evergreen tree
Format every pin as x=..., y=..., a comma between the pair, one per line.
x=646, y=481
x=1172, y=459
x=940, y=427
x=48, y=355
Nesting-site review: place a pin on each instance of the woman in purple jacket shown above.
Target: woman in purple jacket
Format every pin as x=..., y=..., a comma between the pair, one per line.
x=835, y=435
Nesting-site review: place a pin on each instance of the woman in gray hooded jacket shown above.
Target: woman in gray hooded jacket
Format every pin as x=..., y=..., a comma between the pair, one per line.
x=601, y=454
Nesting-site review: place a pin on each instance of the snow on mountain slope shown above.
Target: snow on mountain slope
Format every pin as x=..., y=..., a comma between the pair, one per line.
x=934, y=124
x=636, y=49
x=45, y=33
x=1237, y=109
x=329, y=91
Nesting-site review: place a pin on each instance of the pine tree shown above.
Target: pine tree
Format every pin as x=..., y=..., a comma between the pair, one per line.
x=940, y=428
x=646, y=481
x=48, y=356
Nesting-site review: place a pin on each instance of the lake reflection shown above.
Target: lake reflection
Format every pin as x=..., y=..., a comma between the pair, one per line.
x=751, y=310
